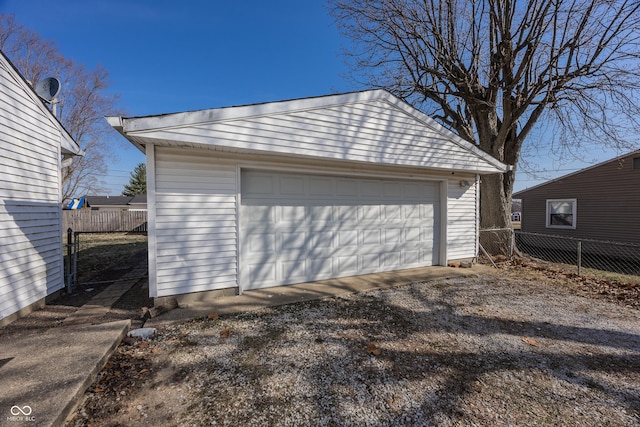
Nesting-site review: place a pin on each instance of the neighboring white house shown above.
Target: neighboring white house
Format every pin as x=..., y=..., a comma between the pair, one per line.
x=286, y=192
x=33, y=145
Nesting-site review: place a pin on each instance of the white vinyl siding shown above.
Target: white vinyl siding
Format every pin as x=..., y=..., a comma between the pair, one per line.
x=381, y=131
x=196, y=234
x=195, y=222
x=462, y=218
x=30, y=218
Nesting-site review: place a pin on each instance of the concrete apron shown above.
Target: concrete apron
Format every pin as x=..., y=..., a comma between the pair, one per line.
x=280, y=295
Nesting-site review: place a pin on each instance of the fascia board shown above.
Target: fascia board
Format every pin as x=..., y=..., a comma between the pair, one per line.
x=116, y=122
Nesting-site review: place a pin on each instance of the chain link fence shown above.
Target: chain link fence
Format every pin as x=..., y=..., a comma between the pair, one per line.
x=497, y=241
x=91, y=254
x=603, y=255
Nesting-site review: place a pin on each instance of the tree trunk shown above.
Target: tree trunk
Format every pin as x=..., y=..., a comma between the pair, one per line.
x=495, y=200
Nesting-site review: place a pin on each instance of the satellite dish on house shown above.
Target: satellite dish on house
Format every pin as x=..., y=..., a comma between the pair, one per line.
x=48, y=89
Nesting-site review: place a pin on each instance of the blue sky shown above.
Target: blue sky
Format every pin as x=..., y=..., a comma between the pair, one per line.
x=168, y=56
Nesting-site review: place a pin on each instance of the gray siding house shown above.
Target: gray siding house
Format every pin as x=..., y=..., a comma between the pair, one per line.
x=272, y=194
x=601, y=202
x=33, y=145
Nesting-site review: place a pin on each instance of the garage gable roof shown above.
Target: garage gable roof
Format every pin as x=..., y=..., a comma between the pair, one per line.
x=371, y=126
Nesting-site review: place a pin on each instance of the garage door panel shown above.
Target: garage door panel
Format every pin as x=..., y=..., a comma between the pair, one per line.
x=321, y=214
x=316, y=227
x=412, y=234
x=371, y=261
x=347, y=187
x=347, y=264
x=292, y=213
x=322, y=239
x=262, y=214
x=411, y=257
x=261, y=243
x=369, y=189
x=347, y=238
x=345, y=213
x=392, y=212
x=392, y=190
x=370, y=213
x=321, y=187
x=320, y=267
x=295, y=241
x=411, y=212
x=428, y=257
x=291, y=186
x=292, y=271
x=427, y=213
x=258, y=184
x=393, y=235
x=412, y=191
x=428, y=234
x=260, y=272
x=393, y=259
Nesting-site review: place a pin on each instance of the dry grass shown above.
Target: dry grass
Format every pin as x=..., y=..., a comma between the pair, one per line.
x=512, y=346
x=101, y=252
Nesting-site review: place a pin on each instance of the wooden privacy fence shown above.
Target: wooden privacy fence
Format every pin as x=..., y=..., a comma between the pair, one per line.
x=86, y=220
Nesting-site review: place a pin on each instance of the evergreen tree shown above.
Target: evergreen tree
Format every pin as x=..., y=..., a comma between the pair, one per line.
x=137, y=182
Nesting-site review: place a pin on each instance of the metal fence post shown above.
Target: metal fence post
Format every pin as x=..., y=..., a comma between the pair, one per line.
x=579, y=257
x=513, y=242
x=69, y=253
x=76, y=247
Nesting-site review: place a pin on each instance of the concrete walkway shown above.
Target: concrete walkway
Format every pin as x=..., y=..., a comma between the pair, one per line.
x=43, y=377
x=45, y=372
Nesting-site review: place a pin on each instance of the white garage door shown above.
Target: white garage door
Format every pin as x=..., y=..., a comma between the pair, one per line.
x=296, y=227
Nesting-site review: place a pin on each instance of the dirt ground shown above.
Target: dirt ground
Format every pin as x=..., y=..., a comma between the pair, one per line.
x=103, y=259
x=524, y=344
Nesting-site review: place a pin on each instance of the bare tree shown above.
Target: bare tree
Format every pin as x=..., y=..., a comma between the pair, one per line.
x=83, y=101
x=491, y=70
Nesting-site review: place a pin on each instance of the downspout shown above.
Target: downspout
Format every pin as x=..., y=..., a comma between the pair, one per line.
x=477, y=217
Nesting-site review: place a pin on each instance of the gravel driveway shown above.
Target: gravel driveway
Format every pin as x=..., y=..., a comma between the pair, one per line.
x=496, y=349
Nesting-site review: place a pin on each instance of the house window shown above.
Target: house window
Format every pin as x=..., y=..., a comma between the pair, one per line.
x=636, y=162
x=561, y=213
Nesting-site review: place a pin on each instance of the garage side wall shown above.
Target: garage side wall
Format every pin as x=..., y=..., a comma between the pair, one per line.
x=195, y=218
x=196, y=213
x=462, y=217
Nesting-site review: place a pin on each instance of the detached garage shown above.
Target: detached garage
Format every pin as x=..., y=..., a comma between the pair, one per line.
x=287, y=192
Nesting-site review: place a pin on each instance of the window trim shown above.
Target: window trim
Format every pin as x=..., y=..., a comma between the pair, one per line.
x=574, y=212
